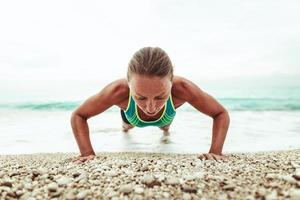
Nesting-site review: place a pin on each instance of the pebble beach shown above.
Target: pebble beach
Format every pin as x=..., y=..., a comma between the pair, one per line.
x=132, y=175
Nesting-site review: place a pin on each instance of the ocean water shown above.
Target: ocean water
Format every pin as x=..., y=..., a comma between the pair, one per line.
x=261, y=120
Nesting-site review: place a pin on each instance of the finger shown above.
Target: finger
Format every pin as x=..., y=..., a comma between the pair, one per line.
x=201, y=157
x=218, y=158
x=77, y=162
x=74, y=159
x=81, y=159
x=89, y=159
x=209, y=157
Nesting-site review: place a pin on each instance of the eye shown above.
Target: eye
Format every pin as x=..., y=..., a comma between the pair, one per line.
x=159, y=98
x=140, y=98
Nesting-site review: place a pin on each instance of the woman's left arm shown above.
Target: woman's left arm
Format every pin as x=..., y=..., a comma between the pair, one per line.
x=209, y=106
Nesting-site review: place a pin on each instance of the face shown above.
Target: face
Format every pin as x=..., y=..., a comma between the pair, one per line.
x=150, y=92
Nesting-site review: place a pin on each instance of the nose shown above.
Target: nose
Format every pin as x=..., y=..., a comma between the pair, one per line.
x=150, y=107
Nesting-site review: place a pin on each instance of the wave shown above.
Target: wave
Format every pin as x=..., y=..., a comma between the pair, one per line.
x=237, y=104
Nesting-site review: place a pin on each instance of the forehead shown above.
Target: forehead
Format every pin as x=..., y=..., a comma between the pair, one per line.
x=149, y=85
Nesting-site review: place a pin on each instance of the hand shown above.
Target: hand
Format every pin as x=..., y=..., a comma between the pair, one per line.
x=212, y=156
x=82, y=159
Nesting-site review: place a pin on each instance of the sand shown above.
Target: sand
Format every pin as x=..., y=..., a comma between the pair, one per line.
x=263, y=175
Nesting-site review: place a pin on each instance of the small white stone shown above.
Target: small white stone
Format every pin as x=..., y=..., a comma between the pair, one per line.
x=186, y=196
x=52, y=187
x=166, y=195
x=271, y=176
x=172, y=181
x=42, y=170
x=126, y=188
x=147, y=178
x=70, y=195
x=28, y=186
x=249, y=197
x=272, y=196
x=82, y=194
x=112, y=194
x=288, y=178
x=294, y=194
x=295, y=165
x=139, y=190
x=19, y=192
x=297, y=172
x=111, y=173
x=63, y=181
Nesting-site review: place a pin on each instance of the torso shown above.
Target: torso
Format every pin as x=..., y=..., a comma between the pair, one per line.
x=175, y=98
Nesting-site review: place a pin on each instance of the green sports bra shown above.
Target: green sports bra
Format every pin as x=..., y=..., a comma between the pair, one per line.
x=166, y=118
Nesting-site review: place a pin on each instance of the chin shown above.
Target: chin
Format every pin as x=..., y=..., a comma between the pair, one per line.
x=151, y=114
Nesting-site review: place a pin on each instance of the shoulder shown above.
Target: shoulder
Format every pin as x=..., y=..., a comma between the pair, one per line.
x=188, y=91
x=119, y=90
x=112, y=94
x=184, y=89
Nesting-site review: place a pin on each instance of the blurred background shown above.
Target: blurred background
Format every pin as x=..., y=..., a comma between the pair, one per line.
x=55, y=54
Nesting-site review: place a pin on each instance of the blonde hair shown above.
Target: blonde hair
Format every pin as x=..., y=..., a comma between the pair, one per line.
x=152, y=61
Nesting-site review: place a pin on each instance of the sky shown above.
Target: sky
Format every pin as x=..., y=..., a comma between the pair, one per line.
x=70, y=49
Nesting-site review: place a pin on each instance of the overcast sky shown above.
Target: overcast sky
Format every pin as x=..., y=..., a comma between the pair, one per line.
x=76, y=43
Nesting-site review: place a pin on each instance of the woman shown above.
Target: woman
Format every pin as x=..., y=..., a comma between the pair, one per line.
x=149, y=97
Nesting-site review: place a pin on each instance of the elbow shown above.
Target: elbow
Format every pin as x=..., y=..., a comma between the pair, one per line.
x=75, y=115
x=224, y=114
x=227, y=116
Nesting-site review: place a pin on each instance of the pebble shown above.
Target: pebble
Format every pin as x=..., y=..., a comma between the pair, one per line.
x=6, y=183
x=150, y=181
x=4, y=188
x=295, y=165
x=166, y=195
x=294, y=194
x=229, y=187
x=288, y=178
x=144, y=168
x=271, y=196
x=261, y=191
x=56, y=193
x=70, y=195
x=172, y=181
x=76, y=174
x=19, y=193
x=52, y=187
x=112, y=194
x=249, y=197
x=13, y=173
x=297, y=172
x=139, y=190
x=126, y=189
x=296, y=177
x=42, y=170
x=111, y=173
x=63, y=181
x=271, y=176
x=160, y=173
x=28, y=186
x=82, y=194
x=189, y=188
x=2, y=174
x=186, y=196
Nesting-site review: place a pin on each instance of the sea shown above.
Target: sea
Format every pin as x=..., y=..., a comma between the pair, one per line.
x=262, y=118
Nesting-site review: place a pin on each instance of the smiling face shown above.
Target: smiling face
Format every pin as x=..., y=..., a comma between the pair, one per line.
x=150, y=92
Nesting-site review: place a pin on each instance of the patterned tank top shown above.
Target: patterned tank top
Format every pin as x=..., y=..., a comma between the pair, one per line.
x=166, y=118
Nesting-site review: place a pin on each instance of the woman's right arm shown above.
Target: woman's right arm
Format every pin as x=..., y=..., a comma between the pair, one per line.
x=110, y=95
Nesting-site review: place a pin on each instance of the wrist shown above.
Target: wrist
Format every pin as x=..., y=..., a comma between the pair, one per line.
x=88, y=153
x=215, y=151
